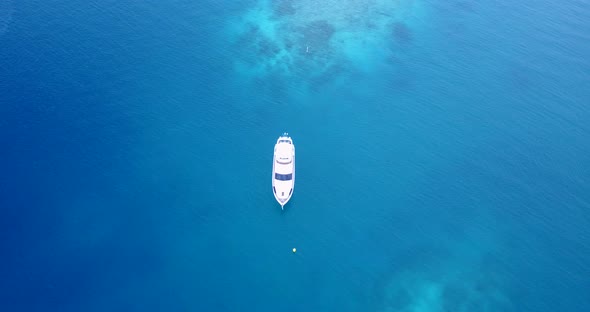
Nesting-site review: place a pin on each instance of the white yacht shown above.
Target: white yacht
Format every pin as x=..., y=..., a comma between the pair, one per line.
x=283, y=169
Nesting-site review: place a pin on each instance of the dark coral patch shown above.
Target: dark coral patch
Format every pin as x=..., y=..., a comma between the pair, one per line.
x=249, y=36
x=402, y=34
x=318, y=33
x=267, y=48
x=283, y=8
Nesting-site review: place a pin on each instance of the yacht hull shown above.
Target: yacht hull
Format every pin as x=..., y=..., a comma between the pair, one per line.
x=283, y=170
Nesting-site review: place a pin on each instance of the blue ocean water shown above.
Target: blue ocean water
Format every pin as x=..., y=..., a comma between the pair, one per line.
x=442, y=155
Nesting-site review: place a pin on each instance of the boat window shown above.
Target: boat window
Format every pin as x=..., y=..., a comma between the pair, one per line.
x=284, y=160
x=283, y=177
x=286, y=141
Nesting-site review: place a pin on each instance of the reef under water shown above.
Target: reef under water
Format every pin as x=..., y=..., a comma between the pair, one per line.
x=328, y=41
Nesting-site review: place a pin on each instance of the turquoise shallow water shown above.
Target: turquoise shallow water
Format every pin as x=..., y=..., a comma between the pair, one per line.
x=442, y=155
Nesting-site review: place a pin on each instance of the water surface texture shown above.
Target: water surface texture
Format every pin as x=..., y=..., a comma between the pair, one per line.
x=442, y=155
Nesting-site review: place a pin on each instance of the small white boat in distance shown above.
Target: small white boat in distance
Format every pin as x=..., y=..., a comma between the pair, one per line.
x=283, y=169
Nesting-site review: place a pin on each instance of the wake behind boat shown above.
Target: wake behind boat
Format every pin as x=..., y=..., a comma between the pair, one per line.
x=283, y=169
